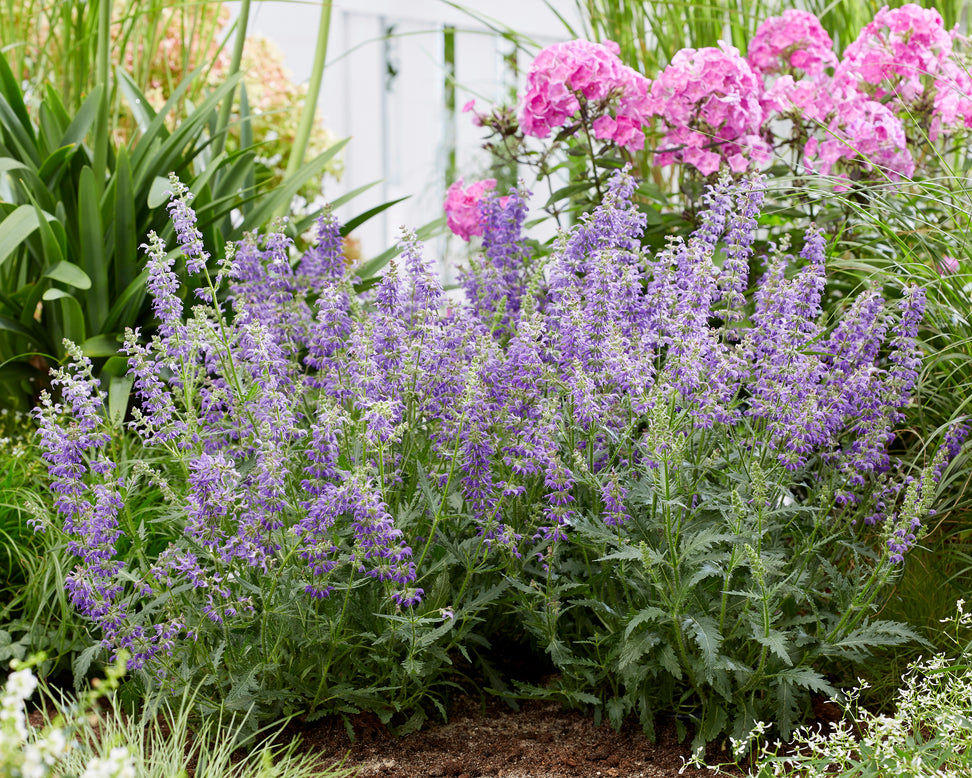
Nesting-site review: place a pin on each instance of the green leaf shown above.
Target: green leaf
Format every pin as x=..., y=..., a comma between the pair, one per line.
x=646, y=615
x=70, y=274
x=806, y=678
x=776, y=643
x=668, y=660
x=52, y=244
x=159, y=193
x=71, y=315
x=348, y=196
x=127, y=302
x=83, y=661
x=86, y=114
x=11, y=325
x=137, y=102
x=12, y=99
x=118, y=392
x=633, y=650
x=93, y=258
x=280, y=198
x=705, y=631
x=55, y=164
x=101, y=346
x=360, y=219
x=174, y=152
x=125, y=250
x=9, y=163
x=17, y=227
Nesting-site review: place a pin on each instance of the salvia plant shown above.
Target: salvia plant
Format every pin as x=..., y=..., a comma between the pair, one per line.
x=685, y=494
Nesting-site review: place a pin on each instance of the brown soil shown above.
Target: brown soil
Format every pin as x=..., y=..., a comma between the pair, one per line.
x=492, y=741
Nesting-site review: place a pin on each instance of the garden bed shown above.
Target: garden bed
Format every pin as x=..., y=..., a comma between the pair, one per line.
x=485, y=738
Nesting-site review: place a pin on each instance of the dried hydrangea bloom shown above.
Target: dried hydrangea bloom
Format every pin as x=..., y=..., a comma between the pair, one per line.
x=709, y=103
x=794, y=41
x=566, y=76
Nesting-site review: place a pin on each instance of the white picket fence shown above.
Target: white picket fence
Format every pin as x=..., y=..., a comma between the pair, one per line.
x=385, y=87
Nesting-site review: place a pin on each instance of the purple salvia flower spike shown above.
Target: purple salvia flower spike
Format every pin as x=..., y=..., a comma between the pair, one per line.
x=184, y=222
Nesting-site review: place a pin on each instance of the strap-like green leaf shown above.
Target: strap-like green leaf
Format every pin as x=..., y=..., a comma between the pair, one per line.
x=78, y=129
x=69, y=313
x=125, y=254
x=360, y=219
x=137, y=102
x=101, y=346
x=22, y=136
x=93, y=258
x=348, y=196
x=10, y=325
x=70, y=274
x=125, y=305
x=173, y=149
x=13, y=98
x=16, y=228
x=119, y=390
x=53, y=243
x=55, y=164
x=281, y=196
x=9, y=163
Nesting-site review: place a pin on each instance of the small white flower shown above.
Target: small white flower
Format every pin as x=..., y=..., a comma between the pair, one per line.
x=118, y=764
x=21, y=684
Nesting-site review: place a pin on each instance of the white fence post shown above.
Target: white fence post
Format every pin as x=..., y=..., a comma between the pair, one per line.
x=385, y=86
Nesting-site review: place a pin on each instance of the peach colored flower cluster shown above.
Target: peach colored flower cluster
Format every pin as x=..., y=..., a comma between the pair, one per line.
x=275, y=101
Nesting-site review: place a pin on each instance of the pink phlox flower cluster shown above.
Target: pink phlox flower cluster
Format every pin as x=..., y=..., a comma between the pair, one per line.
x=867, y=132
x=906, y=55
x=709, y=102
x=565, y=74
x=462, y=207
x=794, y=41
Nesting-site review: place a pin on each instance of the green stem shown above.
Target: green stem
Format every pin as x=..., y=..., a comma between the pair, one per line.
x=334, y=641
x=306, y=124
x=219, y=141
x=445, y=495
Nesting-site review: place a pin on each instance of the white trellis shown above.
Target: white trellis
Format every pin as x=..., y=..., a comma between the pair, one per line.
x=385, y=87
